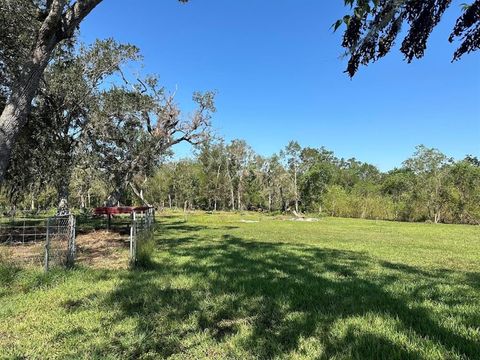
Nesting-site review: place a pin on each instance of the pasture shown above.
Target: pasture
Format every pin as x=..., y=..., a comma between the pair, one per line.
x=250, y=286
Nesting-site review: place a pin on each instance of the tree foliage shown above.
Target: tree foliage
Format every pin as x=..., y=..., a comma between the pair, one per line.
x=373, y=26
x=87, y=112
x=428, y=187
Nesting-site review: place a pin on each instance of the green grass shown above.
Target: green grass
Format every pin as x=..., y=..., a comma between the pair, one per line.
x=219, y=288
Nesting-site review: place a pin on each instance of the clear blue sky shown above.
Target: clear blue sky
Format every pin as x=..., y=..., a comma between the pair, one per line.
x=276, y=66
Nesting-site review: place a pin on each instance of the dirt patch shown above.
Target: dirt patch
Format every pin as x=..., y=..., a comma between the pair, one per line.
x=103, y=249
x=23, y=254
x=97, y=249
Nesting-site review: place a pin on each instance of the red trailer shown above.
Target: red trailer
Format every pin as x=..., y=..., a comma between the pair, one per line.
x=115, y=210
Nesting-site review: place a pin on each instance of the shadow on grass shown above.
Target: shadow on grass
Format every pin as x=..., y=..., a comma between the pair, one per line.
x=282, y=294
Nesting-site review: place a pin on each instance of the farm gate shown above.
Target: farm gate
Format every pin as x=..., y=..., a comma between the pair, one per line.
x=142, y=225
x=39, y=241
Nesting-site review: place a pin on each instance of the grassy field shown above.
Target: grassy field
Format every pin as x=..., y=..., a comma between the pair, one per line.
x=230, y=286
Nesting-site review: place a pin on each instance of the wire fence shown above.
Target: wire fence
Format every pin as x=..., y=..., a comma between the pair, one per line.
x=142, y=225
x=50, y=242
x=23, y=231
x=31, y=241
x=60, y=242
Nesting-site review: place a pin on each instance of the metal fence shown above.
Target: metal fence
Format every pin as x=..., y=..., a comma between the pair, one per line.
x=142, y=223
x=60, y=241
x=33, y=241
x=51, y=242
x=23, y=230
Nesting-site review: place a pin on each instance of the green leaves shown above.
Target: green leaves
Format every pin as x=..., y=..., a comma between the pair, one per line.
x=345, y=20
x=372, y=27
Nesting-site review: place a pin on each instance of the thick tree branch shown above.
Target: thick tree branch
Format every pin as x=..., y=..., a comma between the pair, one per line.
x=76, y=13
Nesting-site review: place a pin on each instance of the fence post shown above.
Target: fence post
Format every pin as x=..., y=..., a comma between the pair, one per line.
x=133, y=240
x=23, y=233
x=109, y=222
x=71, y=242
x=47, y=246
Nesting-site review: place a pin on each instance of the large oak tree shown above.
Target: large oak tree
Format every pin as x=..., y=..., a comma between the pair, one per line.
x=30, y=30
x=49, y=23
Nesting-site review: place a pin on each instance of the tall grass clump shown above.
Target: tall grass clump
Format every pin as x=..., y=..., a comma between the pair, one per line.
x=145, y=249
x=8, y=268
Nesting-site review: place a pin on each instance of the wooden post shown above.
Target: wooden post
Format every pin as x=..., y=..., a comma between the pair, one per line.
x=47, y=246
x=23, y=233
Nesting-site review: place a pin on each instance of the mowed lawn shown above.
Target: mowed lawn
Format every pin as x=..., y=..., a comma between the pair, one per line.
x=226, y=287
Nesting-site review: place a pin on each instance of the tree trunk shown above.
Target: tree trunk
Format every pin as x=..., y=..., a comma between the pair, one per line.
x=230, y=182
x=284, y=207
x=239, y=200
x=32, y=204
x=364, y=211
x=63, y=193
x=54, y=29
x=215, y=197
x=139, y=194
x=15, y=113
x=269, y=201
x=296, y=188
x=232, y=198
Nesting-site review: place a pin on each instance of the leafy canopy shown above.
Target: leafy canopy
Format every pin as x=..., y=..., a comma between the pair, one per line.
x=373, y=26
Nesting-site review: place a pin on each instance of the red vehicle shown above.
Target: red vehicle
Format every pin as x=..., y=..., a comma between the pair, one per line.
x=115, y=210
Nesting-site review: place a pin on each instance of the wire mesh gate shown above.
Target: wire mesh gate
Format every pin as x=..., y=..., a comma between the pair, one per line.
x=39, y=242
x=142, y=224
x=60, y=241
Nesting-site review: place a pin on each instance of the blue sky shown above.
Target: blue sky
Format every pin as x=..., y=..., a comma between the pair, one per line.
x=278, y=71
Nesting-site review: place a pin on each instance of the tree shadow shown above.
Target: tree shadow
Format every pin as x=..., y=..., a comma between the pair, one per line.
x=283, y=294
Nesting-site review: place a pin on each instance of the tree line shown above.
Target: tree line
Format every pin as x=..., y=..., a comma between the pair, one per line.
x=428, y=186
x=78, y=123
